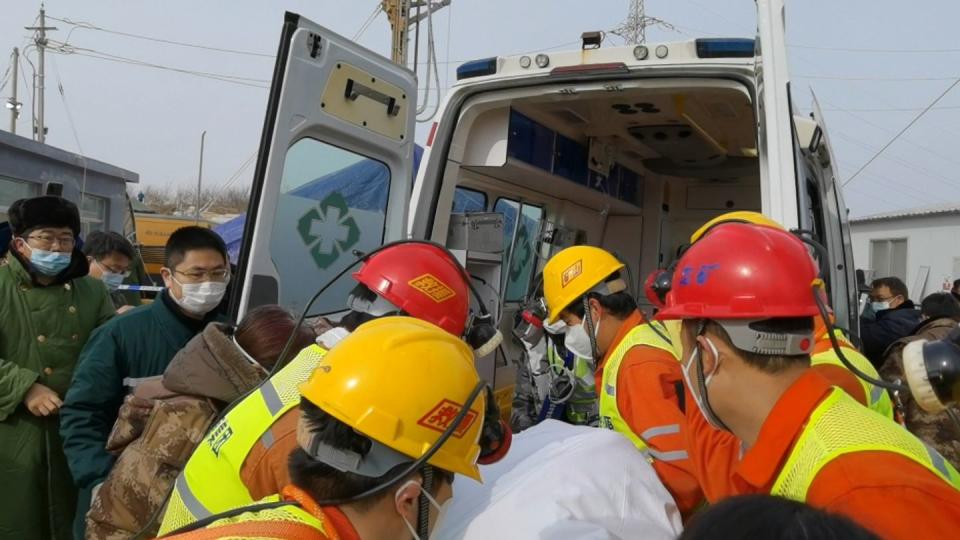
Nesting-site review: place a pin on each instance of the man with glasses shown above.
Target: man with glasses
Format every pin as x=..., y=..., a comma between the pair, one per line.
x=48, y=308
x=138, y=347
x=110, y=256
x=891, y=315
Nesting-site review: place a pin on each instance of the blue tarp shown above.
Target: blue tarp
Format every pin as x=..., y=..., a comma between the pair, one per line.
x=356, y=183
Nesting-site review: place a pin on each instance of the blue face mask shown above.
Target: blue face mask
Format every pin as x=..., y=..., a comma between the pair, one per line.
x=49, y=263
x=112, y=280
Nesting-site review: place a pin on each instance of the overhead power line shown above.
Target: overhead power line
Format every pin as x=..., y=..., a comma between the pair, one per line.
x=866, y=50
x=91, y=26
x=902, y=131
x=67, y=49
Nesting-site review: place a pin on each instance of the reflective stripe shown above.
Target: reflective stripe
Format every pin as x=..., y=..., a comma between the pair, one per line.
x=676, y=455
x=267, y=440
x=937, y=460
x=271, y=398
x=133, y=382
x=190, y=500
x=660, y=430
x=875, y=394
x=610, y=389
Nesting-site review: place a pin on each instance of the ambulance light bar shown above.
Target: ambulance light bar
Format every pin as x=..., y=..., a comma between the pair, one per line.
x=725, y=48
x=477, y=68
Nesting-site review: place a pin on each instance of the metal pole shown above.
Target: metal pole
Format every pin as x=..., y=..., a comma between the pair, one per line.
x=13, y=103
x=41, y=45
x=203, y=137
x=41, y=42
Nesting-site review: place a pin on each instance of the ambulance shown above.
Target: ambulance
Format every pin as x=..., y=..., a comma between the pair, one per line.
x=628, y=148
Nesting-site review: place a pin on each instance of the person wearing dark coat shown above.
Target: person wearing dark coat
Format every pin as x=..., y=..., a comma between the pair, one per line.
x=48, y=309
x=135, y=348
x=890, y=316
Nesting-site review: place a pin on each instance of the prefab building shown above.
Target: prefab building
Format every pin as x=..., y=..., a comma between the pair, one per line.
x=30, y=169
x=921, y=246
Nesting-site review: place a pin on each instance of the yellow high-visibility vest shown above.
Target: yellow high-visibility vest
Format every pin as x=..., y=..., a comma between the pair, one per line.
x=654, y=335
x=840, y=426
x=878, y=398
x=210, y=483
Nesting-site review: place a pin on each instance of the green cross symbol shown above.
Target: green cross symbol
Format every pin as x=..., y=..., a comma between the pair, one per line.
x=328, y=230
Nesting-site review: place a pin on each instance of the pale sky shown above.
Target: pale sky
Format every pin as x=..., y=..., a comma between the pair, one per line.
x=150, y=120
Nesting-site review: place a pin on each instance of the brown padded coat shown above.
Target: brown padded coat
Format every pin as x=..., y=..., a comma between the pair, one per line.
x=159, y=426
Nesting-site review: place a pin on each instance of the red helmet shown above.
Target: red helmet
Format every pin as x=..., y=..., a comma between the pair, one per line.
x=423, y=281
x=743, y=271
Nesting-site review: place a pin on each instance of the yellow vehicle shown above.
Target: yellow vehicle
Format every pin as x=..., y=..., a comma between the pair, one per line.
x=153, y=230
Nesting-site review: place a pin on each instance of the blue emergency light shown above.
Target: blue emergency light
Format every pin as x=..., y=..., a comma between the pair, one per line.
x=477, y=68
x=725, y=48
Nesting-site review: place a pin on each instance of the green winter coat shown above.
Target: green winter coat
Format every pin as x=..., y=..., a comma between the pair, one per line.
x=133, y=347
x=42, y=330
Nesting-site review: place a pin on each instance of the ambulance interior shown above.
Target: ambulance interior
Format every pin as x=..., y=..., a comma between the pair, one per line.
x=634, y=171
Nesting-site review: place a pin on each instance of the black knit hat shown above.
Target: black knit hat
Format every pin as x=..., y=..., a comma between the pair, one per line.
x=48, y=211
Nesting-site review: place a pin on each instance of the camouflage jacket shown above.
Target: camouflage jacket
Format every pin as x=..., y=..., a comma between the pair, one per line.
x=935, y=429
x=159, y=426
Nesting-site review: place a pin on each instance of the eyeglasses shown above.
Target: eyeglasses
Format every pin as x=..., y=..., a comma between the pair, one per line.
x=47, y=241
x=879, y=299
x=105, y=268
x=197, y=276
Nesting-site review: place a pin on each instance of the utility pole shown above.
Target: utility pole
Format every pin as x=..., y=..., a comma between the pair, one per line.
x=40, y=129
x=12, y=103
x=203, y=137
x=398, y=14
x=634, y=29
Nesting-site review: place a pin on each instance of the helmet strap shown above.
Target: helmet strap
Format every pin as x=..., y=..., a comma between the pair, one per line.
x=423, y=514
x=591, y=327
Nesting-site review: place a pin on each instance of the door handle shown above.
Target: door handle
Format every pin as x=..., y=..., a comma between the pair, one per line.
x=355, y=89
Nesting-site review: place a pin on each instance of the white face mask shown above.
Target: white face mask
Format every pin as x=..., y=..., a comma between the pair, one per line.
x=200, y=298
x=880, y=306
x=331, y=337
x=556, y=328
x=441, y=511
x=577, y=339
x=695, y=390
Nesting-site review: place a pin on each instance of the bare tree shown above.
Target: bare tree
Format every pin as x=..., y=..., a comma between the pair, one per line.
x=182, y=200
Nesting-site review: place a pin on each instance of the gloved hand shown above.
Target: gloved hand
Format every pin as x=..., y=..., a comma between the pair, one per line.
x=495, y=437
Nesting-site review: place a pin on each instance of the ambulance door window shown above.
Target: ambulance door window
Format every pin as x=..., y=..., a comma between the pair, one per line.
x=468, y=200
x=521, y=245
x=332, y=203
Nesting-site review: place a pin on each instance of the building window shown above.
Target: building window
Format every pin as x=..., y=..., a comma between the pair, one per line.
x=93, y=214
x=12, y=190
x=888, y=257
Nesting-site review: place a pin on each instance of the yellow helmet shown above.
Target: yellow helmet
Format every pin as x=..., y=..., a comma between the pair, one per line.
x=401, y=381
x=741, y=216
x=574, y=272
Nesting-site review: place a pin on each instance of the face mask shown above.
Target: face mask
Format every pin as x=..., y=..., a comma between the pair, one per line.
x=49, y=263
x=880, y=306
x=577, y=339
x=331, y=337
x=252, y=360
x=200, y=298
x=441, y=511
x=695, y=390
x=112, y=280
x=556, y=328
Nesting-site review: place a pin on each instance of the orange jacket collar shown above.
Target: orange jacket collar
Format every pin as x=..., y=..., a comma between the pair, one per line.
x=762, y=463
x=635, y=318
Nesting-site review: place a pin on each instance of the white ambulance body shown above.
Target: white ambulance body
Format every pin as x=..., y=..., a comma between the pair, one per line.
x=627, y=148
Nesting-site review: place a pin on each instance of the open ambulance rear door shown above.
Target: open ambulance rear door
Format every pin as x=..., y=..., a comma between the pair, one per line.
x=841, y=278
x=775, y=138
x=333, y=174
